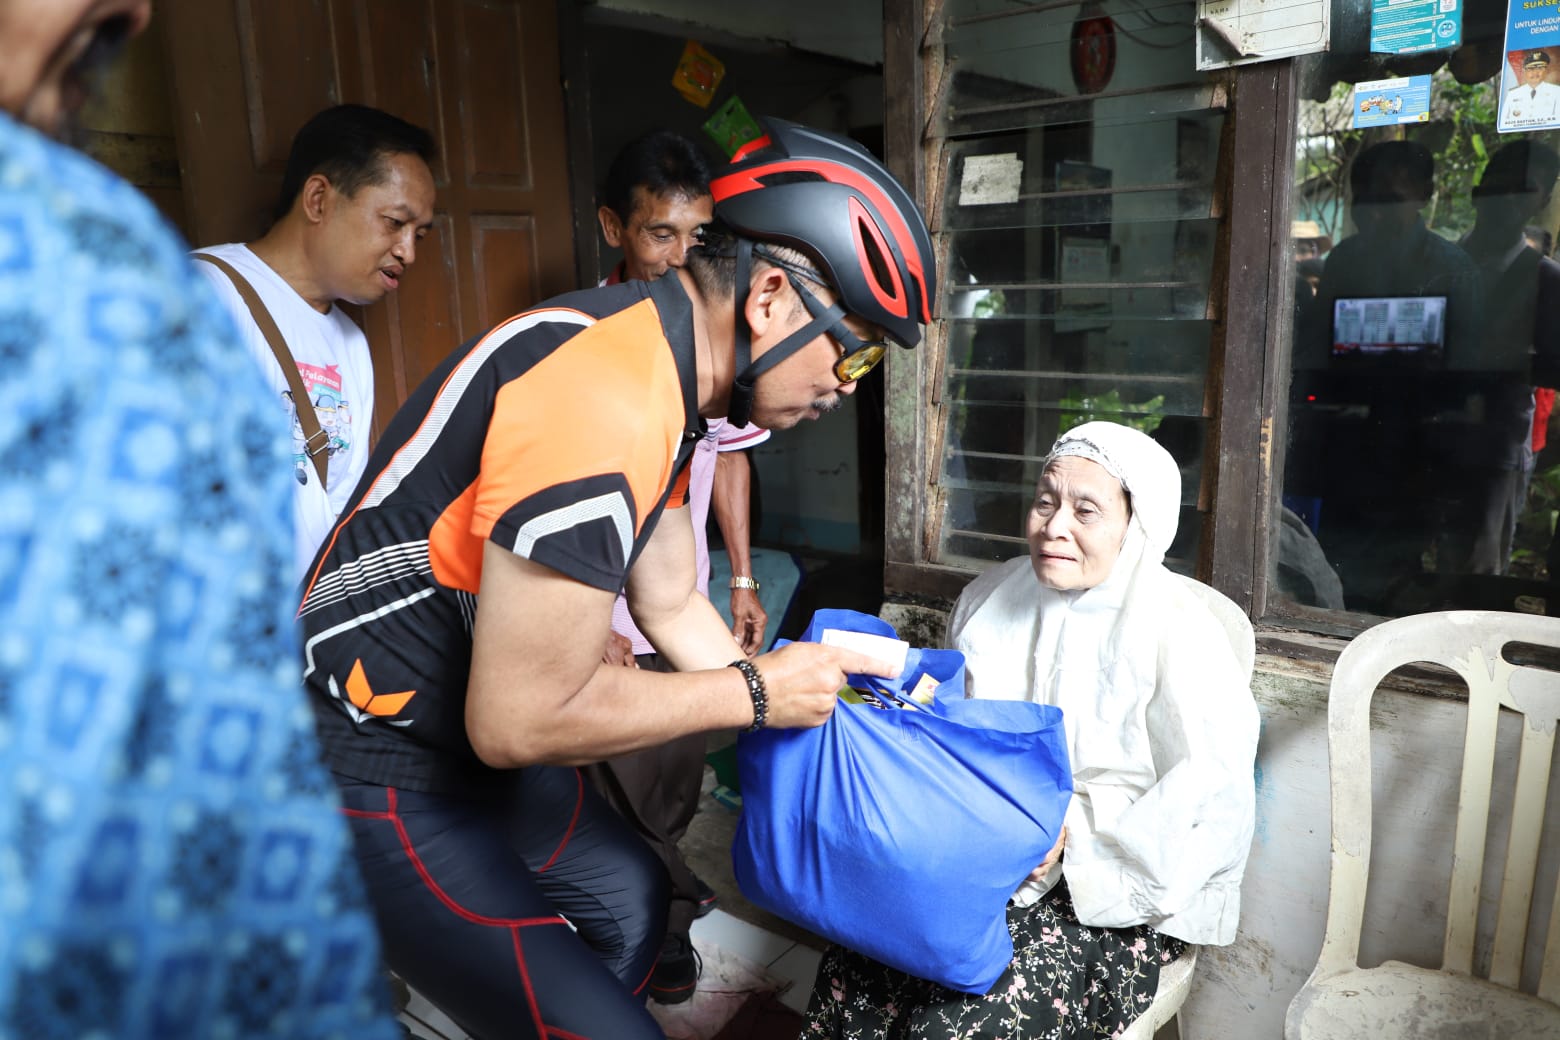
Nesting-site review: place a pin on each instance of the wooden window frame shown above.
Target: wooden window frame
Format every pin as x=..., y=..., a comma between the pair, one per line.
x=1250, y=295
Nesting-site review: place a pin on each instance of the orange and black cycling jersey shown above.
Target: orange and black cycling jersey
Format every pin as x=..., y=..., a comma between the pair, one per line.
x=560, y=435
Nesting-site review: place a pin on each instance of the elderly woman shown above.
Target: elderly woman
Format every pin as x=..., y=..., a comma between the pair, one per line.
x=1162, y=732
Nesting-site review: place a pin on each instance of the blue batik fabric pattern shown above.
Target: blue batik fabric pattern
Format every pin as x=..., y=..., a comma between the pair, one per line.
x=172, y=859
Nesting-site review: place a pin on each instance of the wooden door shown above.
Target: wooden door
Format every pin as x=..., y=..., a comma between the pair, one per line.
x=481, y=75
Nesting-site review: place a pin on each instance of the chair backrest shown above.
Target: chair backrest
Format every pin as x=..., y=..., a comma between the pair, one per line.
x=1236, y=625
x=1470, y=643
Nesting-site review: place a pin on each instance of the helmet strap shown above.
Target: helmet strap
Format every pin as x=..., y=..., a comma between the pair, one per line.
x=741, y=405
x=740, y=409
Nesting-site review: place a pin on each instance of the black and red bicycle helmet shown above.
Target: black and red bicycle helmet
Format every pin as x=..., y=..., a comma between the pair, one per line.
x=829, y=198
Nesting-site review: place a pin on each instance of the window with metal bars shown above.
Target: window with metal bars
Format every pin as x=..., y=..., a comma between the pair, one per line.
x=1072, y=179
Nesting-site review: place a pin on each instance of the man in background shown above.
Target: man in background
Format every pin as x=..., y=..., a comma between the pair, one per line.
x=1359, y=444
x=655, y=201
x=174, y=864
x=356, y=198
x=1487, y=424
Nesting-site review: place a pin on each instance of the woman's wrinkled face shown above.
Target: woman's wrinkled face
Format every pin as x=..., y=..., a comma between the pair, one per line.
x=1076, y=524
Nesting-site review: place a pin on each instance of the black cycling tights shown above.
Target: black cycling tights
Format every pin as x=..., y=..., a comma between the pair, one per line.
x=475, y=899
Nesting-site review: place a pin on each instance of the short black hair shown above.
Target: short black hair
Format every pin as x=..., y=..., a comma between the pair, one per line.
x=1410, y=158
x=348, y=144
x=1524, y=165
x=662, y=163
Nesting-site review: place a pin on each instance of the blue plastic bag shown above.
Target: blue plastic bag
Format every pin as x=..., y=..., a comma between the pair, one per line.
x=901, y=833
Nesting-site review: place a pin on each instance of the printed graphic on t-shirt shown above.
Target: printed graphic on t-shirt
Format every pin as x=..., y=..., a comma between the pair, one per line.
x=361, y=702
x=332, y=410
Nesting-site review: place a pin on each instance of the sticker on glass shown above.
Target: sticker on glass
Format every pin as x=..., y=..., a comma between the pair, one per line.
x=1387, y=102
x=1410, y=26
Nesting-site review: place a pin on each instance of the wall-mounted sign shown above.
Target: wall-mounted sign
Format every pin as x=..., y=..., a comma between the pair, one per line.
x=1239, y=32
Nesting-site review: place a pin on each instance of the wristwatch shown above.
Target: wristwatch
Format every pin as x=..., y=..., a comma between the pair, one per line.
x=742, y=581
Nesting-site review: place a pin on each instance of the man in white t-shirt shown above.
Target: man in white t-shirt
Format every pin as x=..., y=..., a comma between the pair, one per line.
x=356, y=197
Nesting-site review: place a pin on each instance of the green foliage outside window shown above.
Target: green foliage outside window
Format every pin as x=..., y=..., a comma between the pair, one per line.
x=1460, y=135
x=1145, y=415
x=1536, y=527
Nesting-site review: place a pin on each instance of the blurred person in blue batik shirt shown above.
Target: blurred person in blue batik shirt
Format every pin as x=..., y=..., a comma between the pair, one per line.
x=172, y=861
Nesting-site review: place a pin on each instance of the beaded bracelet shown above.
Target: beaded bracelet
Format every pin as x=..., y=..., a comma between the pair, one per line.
x=755, y=685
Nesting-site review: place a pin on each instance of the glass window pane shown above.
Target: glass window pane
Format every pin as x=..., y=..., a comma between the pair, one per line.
x=1425, y=335
x=1079, y=230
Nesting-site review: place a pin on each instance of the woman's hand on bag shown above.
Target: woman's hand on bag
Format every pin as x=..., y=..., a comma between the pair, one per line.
x=1038, y=874
x=803, y=681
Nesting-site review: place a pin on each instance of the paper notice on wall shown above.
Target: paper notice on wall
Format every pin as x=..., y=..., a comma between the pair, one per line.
x=1239, y=32
x=988, y=180
x=1529, y=91
x=1084, y=267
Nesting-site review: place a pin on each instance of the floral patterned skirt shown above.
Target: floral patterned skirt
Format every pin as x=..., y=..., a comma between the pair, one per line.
x=1066, y=980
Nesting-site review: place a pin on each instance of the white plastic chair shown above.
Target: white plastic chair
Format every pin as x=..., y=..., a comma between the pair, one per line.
x=1175, y=978
x=1236, y=625
x=1341, y=1000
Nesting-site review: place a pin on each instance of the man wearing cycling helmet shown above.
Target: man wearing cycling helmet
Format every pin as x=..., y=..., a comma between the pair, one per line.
x=506, y=891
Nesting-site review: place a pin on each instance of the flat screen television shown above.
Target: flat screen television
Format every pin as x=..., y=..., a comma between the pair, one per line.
x=1388, y=326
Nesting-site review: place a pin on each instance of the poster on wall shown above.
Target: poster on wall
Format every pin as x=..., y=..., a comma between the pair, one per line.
x=1388, y=102
x=1529, y=94
x=1411, y=26
x=1239, y=32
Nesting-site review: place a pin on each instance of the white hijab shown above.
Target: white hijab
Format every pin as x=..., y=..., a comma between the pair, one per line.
x=1023, y=638
x=1160, y=723
x=1089, y=628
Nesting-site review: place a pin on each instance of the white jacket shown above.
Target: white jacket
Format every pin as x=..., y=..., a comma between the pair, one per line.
x=1161, y=729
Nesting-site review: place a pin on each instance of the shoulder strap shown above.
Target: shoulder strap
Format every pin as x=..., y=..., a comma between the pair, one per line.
x=315, y=440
